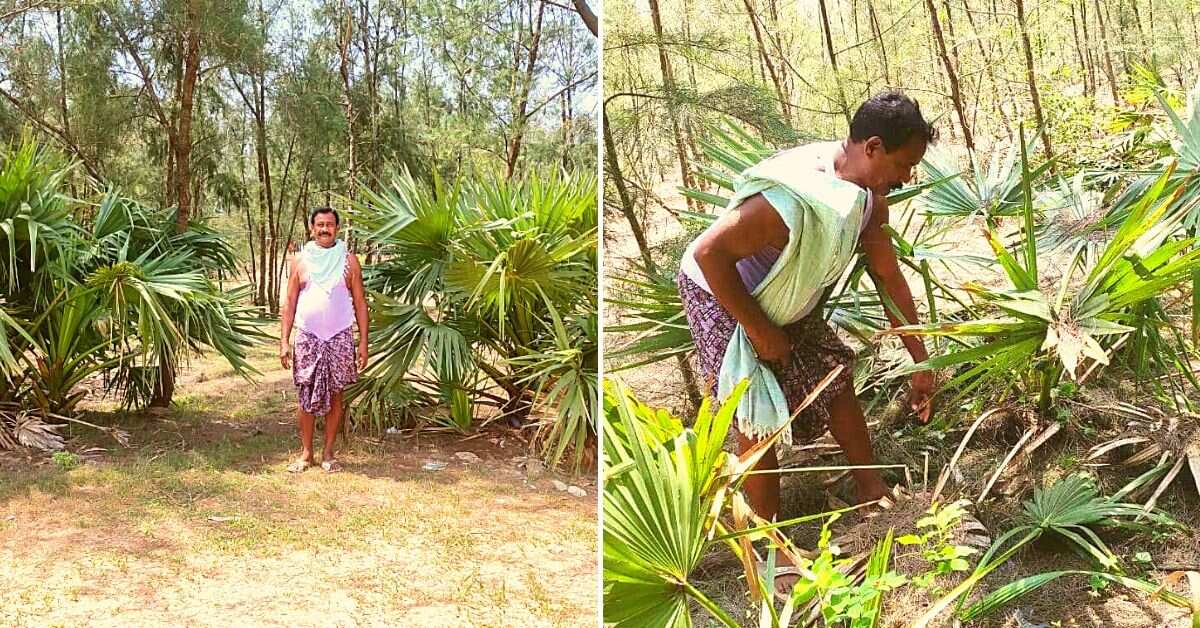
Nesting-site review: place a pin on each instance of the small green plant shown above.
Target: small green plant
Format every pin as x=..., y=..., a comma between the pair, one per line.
x=840, y=599
x=1069, y=508
x=936, y=543
x=66, y=460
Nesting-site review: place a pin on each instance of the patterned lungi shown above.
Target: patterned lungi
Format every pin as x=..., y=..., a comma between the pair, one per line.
x=816, y=350
x=322, y=368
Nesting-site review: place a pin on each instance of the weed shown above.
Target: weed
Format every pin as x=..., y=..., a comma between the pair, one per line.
x=66, y=460
x=936, y=544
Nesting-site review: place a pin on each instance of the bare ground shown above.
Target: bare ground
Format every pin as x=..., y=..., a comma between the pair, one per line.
x=198, y=524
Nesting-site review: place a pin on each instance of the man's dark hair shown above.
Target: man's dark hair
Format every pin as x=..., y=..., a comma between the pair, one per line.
x=894, y=118
x=337, y=220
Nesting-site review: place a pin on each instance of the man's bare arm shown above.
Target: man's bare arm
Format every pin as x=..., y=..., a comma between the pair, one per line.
x=742, y=232
x=289, y=316
x=360, y=310
x=885, y=270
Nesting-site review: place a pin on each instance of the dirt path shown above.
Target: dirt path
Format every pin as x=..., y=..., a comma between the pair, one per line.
x=198, y=524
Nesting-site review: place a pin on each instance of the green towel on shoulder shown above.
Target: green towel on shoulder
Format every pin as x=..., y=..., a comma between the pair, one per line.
x=824, y=216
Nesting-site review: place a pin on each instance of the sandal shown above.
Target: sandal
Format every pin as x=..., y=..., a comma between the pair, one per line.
x=331, y=465
x=299, y=466
x=780, y=570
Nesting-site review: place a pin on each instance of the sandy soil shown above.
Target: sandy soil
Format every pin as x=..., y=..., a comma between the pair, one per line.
x=198, y=524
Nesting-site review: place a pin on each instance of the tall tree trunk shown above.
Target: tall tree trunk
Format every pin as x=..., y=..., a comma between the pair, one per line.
x=1137, y=21
x=278, y=245
x=784, y=100
x=837, y=77
x=183, y=145
x=952, y=77
x=345, y=35
x=613, y=173
x=952, y=45
x=989, y=66
x=1104, y=49
x=182, y=173
x=668, y=77
x=879, y=43
x=519, y=120
x=1120, y=35
x=1090, y=68
x=1029, y=76
x=1079, y=51
x=262, y=262
x=588, y=16
x=62, y=74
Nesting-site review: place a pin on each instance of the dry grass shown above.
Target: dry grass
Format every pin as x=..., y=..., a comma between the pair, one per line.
x=199, y=524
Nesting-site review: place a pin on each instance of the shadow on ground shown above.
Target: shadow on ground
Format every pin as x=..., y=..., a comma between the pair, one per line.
x=198, y=522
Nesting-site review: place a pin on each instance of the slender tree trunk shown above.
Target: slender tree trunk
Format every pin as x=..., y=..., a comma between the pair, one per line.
x=1104, y=49
x=668, y=78
x=613, y=173
x=254, y=274
x=1120, y=35
x=784, y=100
x=262, y=262
x=165, y=388
x=837, y=78
x=1137, y=21
x=1029, y=76
x=952, y=77
x=989, y=65
x=879, y=43
x=514, y=147
x=951, y=39
x=588, y=17
x=1090, y=68
x=62, y=74
x=1079, y=51
x=345, y=35
x=1195, y=29
x=183, y=146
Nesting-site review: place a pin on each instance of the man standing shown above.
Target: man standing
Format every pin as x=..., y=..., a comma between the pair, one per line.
x=753, y=285
x=324, y=300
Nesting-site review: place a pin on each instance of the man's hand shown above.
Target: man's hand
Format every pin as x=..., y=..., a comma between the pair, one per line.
x=920, y=395
x=285, y=355
x=362, y=356
x=771, y=343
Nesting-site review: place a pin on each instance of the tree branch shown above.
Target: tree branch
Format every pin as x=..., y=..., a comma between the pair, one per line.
x=559, y=92
x=33, y=6
x=60, y=133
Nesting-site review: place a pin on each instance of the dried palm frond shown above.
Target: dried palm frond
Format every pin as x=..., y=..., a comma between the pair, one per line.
x=31, y=428
x=1169, y=442
x=26, y=429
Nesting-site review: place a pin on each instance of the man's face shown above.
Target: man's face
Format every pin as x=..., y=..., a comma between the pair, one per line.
x=324, y=229
x=889, y=170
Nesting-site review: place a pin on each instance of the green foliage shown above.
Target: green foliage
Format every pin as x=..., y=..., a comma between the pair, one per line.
x=661, y=482
x=479, y=274
x=1070, y=508
x=839, y=597
x=936, y=544
x=990, y=193
x=1042, y=335
x=66, y=460
x=115, y=298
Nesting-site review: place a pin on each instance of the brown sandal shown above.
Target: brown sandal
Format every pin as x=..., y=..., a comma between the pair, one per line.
x=299, y=466
x=331, y=465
